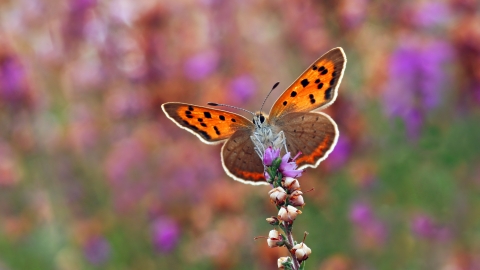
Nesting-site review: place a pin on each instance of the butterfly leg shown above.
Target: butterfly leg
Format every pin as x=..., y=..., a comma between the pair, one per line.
x=259, y=147
x=268, y=139
x=281, y=136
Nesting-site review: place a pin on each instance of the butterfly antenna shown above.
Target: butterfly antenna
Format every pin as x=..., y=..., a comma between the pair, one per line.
x=274, y=86
x=229, y=106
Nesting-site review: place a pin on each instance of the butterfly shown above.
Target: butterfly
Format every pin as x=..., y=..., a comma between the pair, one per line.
x=293, y=116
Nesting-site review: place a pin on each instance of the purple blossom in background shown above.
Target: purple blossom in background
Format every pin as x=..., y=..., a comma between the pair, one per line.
x=243, y=88
x=424, y=227
x=370, y=227
x=416, y=81
x=340, y=153
x=201, y=65
x=165, y=234
x=476, y=92
x=377, y=230
x=431, y=14
x=97, y=250
x=125, y=156
x=80, y=6
x=353, y=13
x=361, y=214
x=13, y=88
x=77, y=16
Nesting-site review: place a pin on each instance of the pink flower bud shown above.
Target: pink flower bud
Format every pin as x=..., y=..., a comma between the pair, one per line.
x=301, y=251
x=273, y=220
x=296, y=199
x=278, y=195
x=288, y=213
x=274, y=239
x=291, y=184
x=281, y=261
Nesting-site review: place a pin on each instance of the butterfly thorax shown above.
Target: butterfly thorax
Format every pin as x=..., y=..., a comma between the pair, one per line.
x=265, y=135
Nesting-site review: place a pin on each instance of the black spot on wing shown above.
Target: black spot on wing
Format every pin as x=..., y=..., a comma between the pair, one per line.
x=304, y=82
x=190, y=108
x=284, y=103
x=320, y=85
x=328, y=93
x=233, y=120
x=200, y=120
x=203, y=124
x=190, y=126
x=207, y=115
x=324, y=72
x=205, y=135
x=222, y=117
x=293, y=94
x=216, y=130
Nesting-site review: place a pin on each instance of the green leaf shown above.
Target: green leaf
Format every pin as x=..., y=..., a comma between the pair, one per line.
x=302, y=265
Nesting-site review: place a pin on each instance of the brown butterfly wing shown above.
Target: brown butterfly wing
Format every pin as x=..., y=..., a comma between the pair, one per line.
x=209, y=125
x=316, y=88
x=240, y=160
x=313, y=134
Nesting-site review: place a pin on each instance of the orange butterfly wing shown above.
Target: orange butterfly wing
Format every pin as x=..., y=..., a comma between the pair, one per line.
x=209, y=125
x=316, y=88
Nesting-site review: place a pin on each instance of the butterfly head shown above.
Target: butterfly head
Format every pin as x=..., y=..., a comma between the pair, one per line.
x=259, y=119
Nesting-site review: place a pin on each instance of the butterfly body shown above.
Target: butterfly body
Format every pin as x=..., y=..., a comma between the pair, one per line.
x=293, y=123
x=265, y=134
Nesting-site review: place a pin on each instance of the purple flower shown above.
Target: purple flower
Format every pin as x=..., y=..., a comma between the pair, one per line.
x=76, y=20
x=340, y=154
x=13, y=84
x=361, y=214
x=353, y=13
x=166, y=234
x=266, y=175
x=431, y=14
x=420, y=86
x=377, y=231
x=243, y=87
x=288, y=167
x=97, y=250
x=476, y=92
x=79, y=6
x=424, y=227
x=201, y=65
x=370, y=229
x=270, y=155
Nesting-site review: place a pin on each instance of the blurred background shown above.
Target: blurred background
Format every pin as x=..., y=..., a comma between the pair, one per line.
x=94, y=176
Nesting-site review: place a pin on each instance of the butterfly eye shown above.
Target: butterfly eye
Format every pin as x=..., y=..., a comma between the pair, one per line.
x=262, y=118
x=258, y=119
